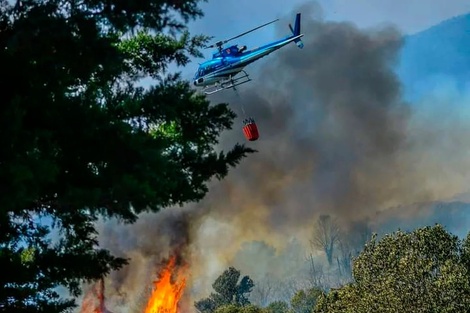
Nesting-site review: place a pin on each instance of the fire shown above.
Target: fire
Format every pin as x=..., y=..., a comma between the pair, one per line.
x=93, y=302
x=167, y=293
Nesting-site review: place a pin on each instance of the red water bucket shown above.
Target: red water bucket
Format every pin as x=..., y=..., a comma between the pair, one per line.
x=250, y=130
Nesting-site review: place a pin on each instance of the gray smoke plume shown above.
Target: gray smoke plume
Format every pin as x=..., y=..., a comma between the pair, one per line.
x=335, y=137
x=332, y=125
x=149, y=243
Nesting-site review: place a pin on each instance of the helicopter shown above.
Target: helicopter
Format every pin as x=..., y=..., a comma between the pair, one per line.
x=220, y=72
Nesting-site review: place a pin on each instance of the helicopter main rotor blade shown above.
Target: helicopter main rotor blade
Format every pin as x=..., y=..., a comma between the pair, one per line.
x=220, y=43
x=251, y=30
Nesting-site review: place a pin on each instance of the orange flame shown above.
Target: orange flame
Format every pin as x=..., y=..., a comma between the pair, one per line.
x=167, y=293
x=93, y=302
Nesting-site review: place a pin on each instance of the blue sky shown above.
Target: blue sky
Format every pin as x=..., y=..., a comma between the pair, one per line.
x=409, y=15
x=226, y=18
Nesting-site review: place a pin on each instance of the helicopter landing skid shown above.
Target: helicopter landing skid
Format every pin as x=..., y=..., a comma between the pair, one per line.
x=227, y=84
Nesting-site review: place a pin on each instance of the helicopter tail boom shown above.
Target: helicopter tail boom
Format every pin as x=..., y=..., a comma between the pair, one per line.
x=296, y=31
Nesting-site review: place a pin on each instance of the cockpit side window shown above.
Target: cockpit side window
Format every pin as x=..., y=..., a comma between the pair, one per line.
x=206, y=69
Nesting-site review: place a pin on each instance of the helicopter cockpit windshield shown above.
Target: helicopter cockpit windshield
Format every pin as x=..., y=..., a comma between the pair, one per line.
x=208, y=67
x=200, y=72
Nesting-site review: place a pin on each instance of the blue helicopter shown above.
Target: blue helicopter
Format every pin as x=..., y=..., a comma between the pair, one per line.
x=220, y=72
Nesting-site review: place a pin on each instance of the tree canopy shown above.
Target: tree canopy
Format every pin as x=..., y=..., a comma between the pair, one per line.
x=303, y=301
x=81, y=140
x=230, y=292
x=277, y=307
x=232, y=308
x=426, y=270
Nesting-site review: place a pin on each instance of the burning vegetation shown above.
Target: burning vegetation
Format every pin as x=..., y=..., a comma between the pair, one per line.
x=93, y=302
x=167, y=291
x=352, y=171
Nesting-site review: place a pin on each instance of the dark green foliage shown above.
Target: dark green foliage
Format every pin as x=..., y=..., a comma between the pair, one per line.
x=421, y=271
x=304, y=301
x=232, y=308
x=466, y=252
x=277, y=307
x=228, y=291
x=227, y=308
x=79, y=140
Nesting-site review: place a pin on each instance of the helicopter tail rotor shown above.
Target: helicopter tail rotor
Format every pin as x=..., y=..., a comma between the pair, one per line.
x=296, y=31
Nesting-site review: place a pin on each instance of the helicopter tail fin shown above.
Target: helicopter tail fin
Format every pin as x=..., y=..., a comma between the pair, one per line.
x=296, y=31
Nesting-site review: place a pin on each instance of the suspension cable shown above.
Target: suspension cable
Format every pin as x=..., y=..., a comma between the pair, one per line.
x=240, y=101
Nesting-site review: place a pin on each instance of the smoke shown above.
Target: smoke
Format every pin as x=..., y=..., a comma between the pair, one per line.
x=335, y=137
x=333, y=127
x=94, y=300
x=149, y=244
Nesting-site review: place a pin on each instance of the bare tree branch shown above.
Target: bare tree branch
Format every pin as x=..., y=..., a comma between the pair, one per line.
x=326, y=234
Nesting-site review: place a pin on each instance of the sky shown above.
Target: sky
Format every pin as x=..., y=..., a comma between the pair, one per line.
x=228, y=18
x=409, y=15
x=333, y=141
